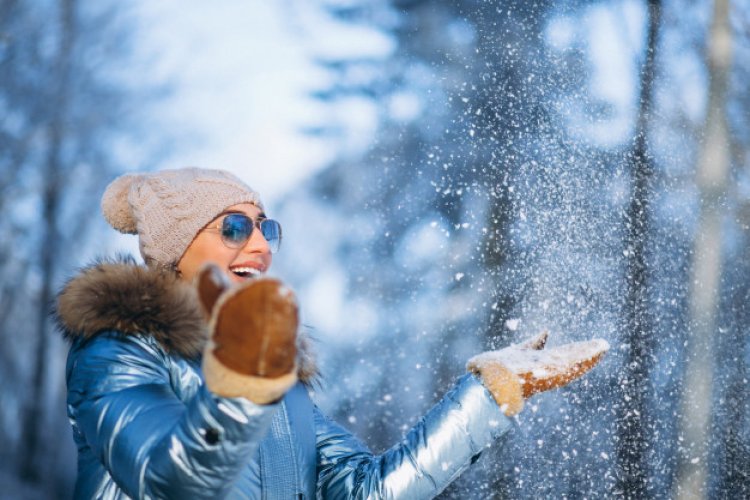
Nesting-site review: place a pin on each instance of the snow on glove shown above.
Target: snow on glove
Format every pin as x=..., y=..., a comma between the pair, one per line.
x=252, y=350
x=519, y=371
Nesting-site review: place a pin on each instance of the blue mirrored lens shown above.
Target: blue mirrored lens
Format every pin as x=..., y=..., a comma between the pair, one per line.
x=272, y=233
x=236, y=229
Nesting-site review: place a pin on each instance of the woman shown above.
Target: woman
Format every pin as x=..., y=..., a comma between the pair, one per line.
x=187, y=377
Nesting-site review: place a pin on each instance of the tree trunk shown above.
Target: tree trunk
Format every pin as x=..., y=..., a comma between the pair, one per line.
x=33, y=441
x=631, y=433
x=712, y=175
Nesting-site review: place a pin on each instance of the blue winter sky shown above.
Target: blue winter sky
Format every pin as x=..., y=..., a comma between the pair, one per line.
x=243, y=70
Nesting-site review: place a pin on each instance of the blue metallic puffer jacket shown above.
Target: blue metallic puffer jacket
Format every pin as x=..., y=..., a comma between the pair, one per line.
x=146, y=426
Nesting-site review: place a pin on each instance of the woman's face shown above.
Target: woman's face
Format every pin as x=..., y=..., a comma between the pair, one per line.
x=238, y=263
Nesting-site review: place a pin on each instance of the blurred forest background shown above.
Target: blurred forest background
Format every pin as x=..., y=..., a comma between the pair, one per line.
x=500, y=168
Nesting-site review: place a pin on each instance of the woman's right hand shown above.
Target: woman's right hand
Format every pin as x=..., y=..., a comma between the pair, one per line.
x=252, y=326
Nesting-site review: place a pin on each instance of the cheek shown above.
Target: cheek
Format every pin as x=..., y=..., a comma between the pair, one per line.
x=221, y=256
x=204, y=250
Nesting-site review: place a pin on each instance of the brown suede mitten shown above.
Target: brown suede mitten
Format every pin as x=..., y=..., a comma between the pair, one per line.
x=253, y=326
x=517, y=372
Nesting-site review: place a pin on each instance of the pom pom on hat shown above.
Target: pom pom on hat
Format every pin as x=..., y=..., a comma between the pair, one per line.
x=115, y=204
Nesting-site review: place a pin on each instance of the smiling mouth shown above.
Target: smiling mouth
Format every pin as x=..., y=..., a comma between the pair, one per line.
x=246, y=272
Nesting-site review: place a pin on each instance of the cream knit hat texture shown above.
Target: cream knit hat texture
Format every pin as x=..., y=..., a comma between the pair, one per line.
x=167, y=209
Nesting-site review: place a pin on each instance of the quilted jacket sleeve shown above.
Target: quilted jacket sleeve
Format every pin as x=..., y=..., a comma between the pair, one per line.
x=153, y=444
x=441, y=446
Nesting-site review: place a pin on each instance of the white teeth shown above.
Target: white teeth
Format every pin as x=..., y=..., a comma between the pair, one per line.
x=245, y=270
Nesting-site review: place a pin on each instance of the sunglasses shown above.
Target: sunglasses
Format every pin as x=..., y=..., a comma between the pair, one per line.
x=236, y=229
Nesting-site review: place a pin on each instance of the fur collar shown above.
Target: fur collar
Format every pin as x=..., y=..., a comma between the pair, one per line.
x=134, y=299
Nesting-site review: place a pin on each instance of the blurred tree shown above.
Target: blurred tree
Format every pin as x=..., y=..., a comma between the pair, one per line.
x=712, y=175
x=70, y=110
x=638, y=325
x=729, y=461
x=53, y=171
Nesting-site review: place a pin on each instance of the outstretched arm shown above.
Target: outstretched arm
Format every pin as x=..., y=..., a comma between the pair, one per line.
x=454, y=432
x=436, y=450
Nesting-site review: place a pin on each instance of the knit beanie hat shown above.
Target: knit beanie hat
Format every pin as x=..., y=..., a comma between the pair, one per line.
x=167, y=209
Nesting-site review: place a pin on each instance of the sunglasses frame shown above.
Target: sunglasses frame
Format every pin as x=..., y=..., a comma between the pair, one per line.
x=274, y=245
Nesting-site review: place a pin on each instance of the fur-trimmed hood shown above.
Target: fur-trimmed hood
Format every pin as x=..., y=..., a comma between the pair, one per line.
x=133, y=299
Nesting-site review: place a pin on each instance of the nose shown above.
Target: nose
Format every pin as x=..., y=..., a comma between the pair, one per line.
x=257, y=243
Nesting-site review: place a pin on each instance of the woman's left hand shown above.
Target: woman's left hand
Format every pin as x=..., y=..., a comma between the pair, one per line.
x=517, y=372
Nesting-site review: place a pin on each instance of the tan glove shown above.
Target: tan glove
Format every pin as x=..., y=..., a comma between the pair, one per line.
x=517, y=372
x=252, y=350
